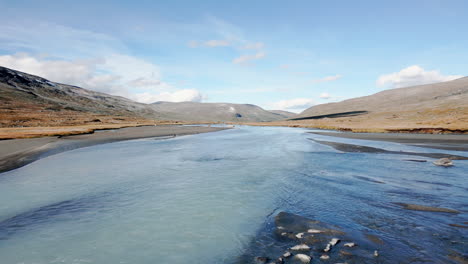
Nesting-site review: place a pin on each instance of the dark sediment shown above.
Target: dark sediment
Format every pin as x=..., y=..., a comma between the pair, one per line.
x=364, y=149
x=438, y=141
x=424, y=208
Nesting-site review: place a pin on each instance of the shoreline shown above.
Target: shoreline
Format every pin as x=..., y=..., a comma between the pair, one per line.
x=16, y=153
x=456, y=142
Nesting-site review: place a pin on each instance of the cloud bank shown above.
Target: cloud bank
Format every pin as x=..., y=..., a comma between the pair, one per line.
x=413, y=75
x=115, y=74
x=294, y=105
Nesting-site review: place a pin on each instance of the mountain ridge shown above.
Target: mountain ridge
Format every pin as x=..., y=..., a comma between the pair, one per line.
x=30, y=100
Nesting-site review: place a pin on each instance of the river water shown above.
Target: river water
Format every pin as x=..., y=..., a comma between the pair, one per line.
x=212, y=198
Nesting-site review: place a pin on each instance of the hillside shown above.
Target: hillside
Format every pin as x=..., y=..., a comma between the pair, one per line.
x=215, y=112
x=284, y=114
x=29, y=100
x=432, y=108
x=32, y=101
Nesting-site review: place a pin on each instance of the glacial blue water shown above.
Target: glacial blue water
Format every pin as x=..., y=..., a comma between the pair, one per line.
x=210, y=198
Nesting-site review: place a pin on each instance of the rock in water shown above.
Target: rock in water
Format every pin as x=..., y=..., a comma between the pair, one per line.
x=324, y=257
x=328, y=248
x=351, y=244
x=334, y=241
x=287, y=254
x=261, y=260
x=301, y=247
x=300, y=235
x=302, y=258
x=444, y=162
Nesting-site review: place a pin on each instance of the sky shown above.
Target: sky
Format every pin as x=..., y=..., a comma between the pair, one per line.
x=286, y=55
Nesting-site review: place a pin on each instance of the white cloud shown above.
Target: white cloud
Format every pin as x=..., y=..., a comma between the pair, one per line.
x=143, y=82
x=217, y=43
x=115, y=74
x=255, y=46
x=210, y=43
x=193, y=44
x=71, y=72
x=295, y=105
x=40, y=37
x=328, y=78
x=187, y=95
x=413, y=75
x=325, y=96
x=247, y=58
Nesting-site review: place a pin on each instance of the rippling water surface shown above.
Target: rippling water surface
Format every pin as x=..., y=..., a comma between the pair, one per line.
x=211, y=198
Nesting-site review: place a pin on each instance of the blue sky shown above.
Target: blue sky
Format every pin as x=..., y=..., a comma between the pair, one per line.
x=276, y=54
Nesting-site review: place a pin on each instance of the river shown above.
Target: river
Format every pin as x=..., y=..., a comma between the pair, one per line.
x=212, y=198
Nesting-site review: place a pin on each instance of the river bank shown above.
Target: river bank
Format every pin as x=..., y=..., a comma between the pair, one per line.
x=15, y=153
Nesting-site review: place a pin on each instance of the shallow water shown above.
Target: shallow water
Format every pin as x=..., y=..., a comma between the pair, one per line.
x=211, y=198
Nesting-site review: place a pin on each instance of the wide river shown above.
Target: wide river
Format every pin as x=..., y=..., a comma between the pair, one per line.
x=212, y=198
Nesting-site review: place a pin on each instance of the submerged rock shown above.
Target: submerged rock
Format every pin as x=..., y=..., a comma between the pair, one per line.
x=299, y=224
x=261, y=260
x=417, y=207
x=444, y=162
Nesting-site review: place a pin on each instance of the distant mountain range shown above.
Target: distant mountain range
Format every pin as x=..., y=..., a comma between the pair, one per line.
x=28, y=100
x=216, y=112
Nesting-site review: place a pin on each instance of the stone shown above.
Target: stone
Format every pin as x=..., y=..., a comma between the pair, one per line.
x=324, y=257
x=334, y=241
x=303, y=258
x=261, y=260
x=327, y=248
x=351, y=244
x=300, y=247
x=300, y=235
x=444, y=162
x=314, y=231
x=376, y=253
x=287, y=254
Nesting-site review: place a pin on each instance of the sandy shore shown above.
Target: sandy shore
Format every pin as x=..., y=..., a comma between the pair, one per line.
x=438, y=141
x=16, y=153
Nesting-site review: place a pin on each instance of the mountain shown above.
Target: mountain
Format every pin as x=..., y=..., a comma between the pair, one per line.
x=215, y=112
x=440, y=105
x=283, y=114
x=29, y=100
